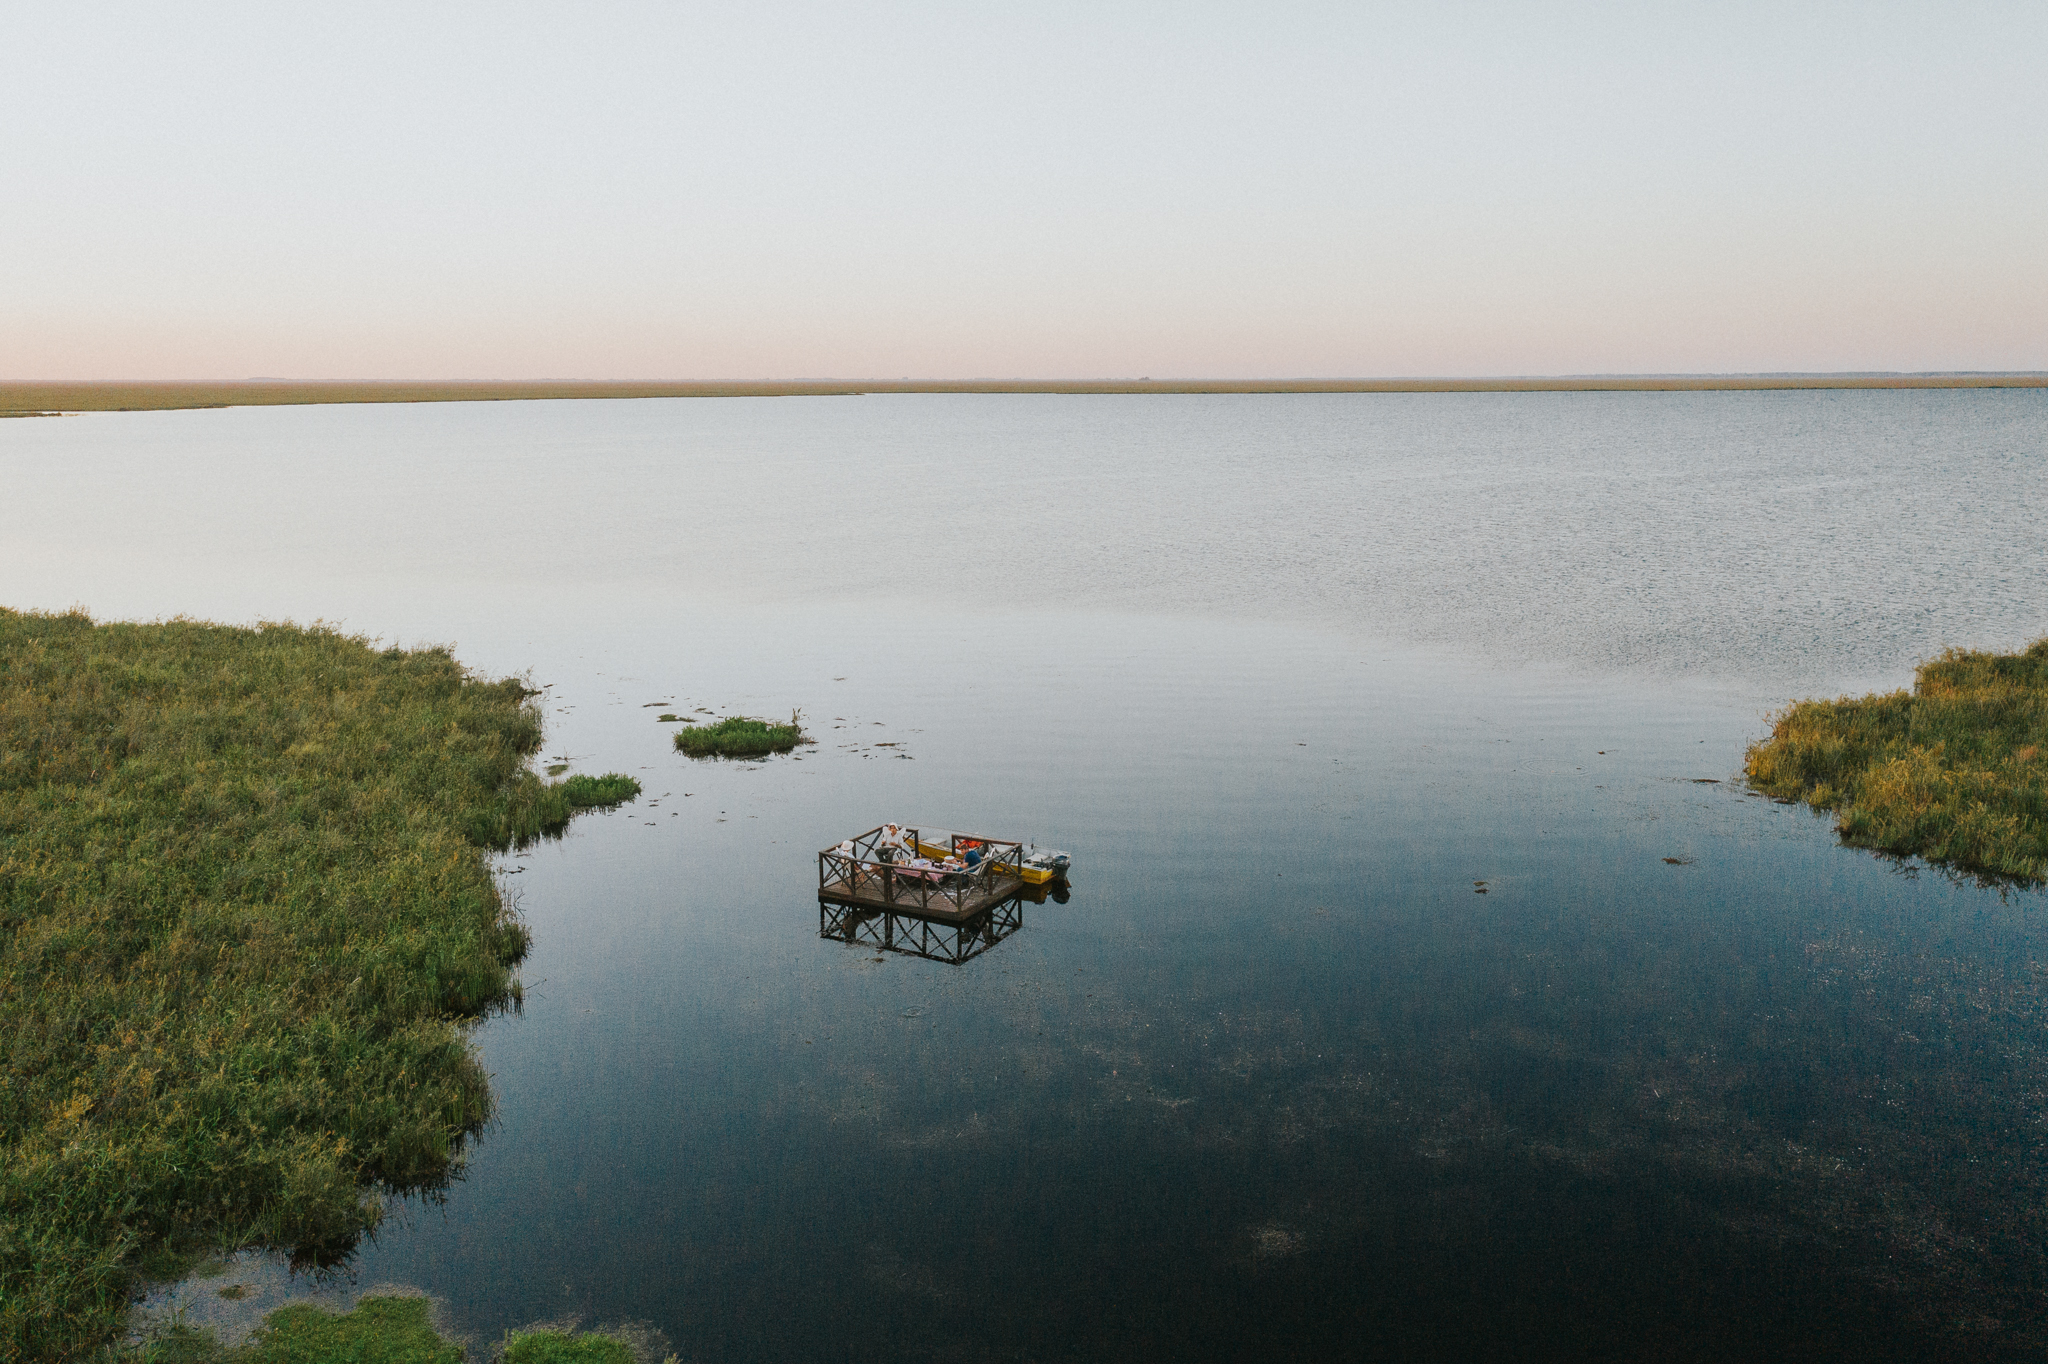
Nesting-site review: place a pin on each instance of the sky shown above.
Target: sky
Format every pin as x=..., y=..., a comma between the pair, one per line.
x=951, y=191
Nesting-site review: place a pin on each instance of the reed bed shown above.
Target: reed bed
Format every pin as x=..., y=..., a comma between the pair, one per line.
x=245, y=914
x=739, y=736
x=1952, y=771
x=378, y=1330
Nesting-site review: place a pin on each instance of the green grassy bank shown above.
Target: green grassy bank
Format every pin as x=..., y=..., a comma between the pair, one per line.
x=1953, y=771
x=245, y=912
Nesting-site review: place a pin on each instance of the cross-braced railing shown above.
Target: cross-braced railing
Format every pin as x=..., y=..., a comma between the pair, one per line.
x=937, y=873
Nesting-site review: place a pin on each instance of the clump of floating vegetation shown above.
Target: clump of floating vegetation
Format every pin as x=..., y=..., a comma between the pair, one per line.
x=245, y=910
x=1952, y=771
x=379, y=1330
x=738, y=736
x=597, y=793
x=562, y=1347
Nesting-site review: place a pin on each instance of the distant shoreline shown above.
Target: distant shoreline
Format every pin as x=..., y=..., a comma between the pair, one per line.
x=25, y=399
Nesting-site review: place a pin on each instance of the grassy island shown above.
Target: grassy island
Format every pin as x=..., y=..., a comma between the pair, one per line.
x=245, y=912
x=737, y=736
x=1953, y=771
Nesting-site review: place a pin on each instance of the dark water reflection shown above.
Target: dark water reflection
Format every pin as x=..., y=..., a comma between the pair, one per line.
x=1277, y=1074
x=1687, y=1080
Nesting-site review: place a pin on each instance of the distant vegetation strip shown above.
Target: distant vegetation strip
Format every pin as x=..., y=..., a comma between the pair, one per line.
x=1954, y=771
x=23, y=398
x=245, y=911
x=738, y=736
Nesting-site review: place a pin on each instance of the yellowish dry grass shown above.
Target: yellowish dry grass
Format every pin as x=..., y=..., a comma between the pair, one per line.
x=1951, y=771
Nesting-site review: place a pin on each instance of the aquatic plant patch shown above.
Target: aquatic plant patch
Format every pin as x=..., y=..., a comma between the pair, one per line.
x=380, y=1330
x=1954, y=770
x=598, y=793
x=245, y=913
x=558, y=1347
x=738, y=736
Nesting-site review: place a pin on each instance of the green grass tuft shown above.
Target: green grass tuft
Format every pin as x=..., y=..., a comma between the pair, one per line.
x=378, y=1331
x=553, y=1347
x=245, y=911
x=1954, y=771
x=385, y=1329
x=737, y=736
x=594, y=793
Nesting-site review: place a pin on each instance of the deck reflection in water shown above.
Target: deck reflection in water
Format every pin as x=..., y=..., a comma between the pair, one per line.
x=889, y=930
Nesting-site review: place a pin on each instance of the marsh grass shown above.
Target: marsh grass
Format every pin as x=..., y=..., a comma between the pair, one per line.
x=558, y=1347
x=599, y=793
x=245, y=913
x=738, y=736
x=1953, y=771
x=382, y=1329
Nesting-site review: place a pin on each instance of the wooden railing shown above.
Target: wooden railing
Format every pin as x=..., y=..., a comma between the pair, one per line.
x=870, y=869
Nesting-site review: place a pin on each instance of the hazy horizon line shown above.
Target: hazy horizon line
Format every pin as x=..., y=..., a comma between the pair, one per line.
x=54, y=396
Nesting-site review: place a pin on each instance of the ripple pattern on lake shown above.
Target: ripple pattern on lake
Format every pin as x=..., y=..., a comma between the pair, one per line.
x=1790, y=537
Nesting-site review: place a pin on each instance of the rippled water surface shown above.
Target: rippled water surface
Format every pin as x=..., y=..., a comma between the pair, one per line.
x=1429, y=986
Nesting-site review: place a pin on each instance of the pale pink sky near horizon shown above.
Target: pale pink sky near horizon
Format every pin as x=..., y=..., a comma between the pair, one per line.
x=646, y=191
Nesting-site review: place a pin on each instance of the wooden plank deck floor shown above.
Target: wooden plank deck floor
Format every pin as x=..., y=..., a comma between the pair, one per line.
x=939, y=909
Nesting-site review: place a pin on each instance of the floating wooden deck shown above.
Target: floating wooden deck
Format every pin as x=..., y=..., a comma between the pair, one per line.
x=866, y=873
x=922, y=898
x=918, y=897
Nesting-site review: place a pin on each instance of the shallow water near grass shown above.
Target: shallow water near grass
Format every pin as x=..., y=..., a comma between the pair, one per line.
x=1429, y=985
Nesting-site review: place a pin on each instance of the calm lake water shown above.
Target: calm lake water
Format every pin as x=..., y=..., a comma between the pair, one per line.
x=1292, y=678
